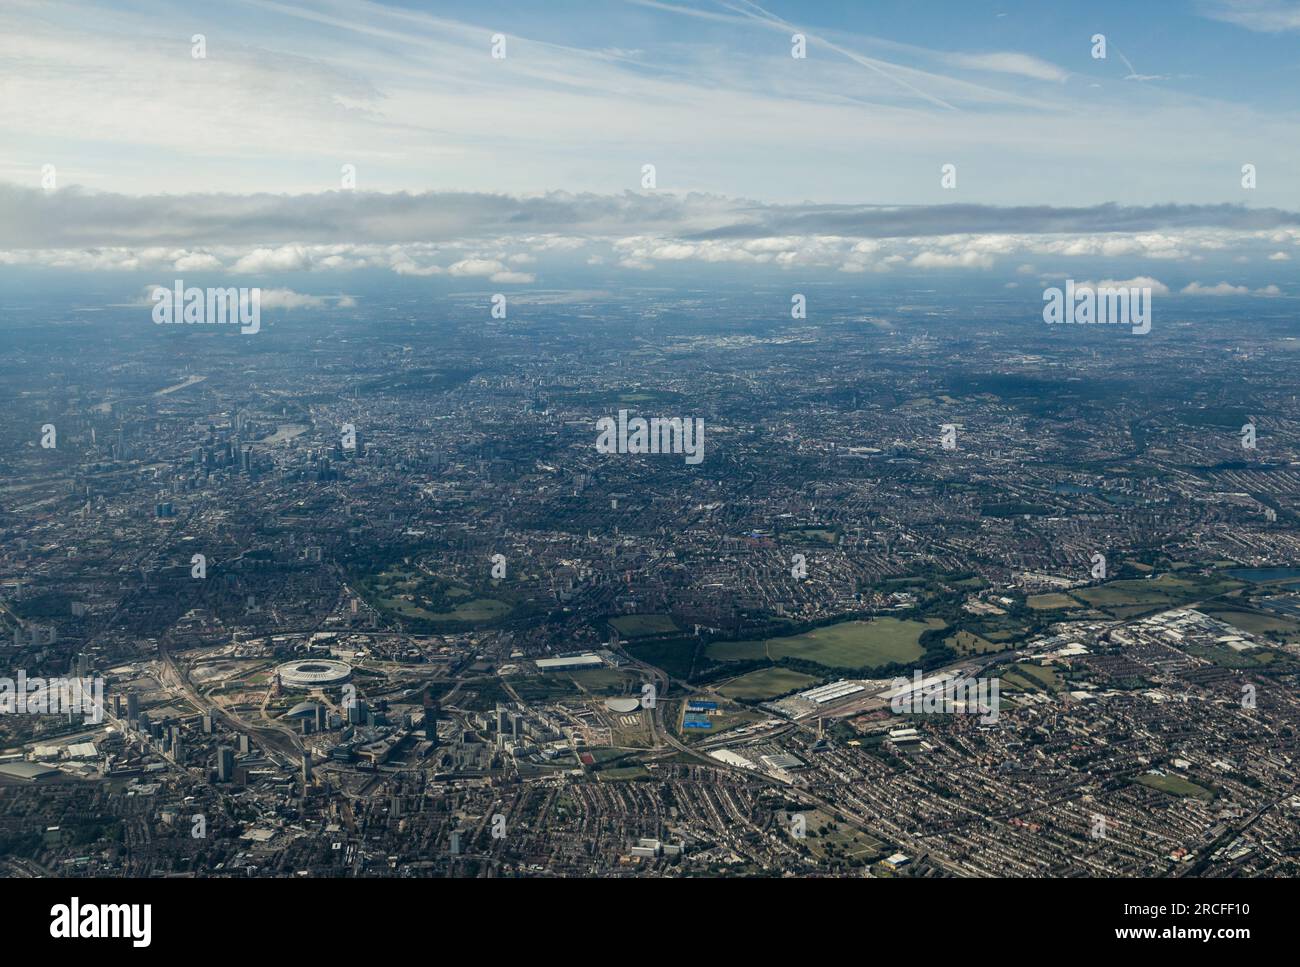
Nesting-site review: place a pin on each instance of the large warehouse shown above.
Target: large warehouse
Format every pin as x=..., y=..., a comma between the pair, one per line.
x=586, y=660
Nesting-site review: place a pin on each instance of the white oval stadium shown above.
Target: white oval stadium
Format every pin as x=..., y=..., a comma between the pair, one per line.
x=313, y=673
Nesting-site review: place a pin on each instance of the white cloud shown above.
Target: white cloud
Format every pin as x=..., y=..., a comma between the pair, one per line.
x=373, y=84
x=1139, y=282
x=270, y=298
x=264, y=261
x=672, y=230
x=947, y=260
x=1012, y=63
x=1226, y=289
x=196, y=262
x=555, y=243
x=1223, y=288
x=1264, y=16
x=403, y=265
x=476, y=267
x=288, y=299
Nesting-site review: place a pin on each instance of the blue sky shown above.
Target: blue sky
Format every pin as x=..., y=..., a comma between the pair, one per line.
x=588, y=92
x=109, y=98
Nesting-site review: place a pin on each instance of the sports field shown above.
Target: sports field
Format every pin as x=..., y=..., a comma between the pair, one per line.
x=856, y=644
x=643, y=625
x=1051, y=602
x=766, y=683
x=1124, y=599
x=1175, y=786
x=1254, y=623
x=849, y=644
x=1025, y=677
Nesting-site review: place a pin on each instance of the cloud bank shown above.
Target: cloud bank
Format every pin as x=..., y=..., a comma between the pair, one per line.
x=508, y=239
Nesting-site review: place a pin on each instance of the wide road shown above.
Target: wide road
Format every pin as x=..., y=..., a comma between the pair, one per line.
x=272, y=738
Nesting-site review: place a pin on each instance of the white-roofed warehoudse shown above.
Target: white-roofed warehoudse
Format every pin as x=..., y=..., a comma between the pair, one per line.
x=829, y=693
x=586, y=660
